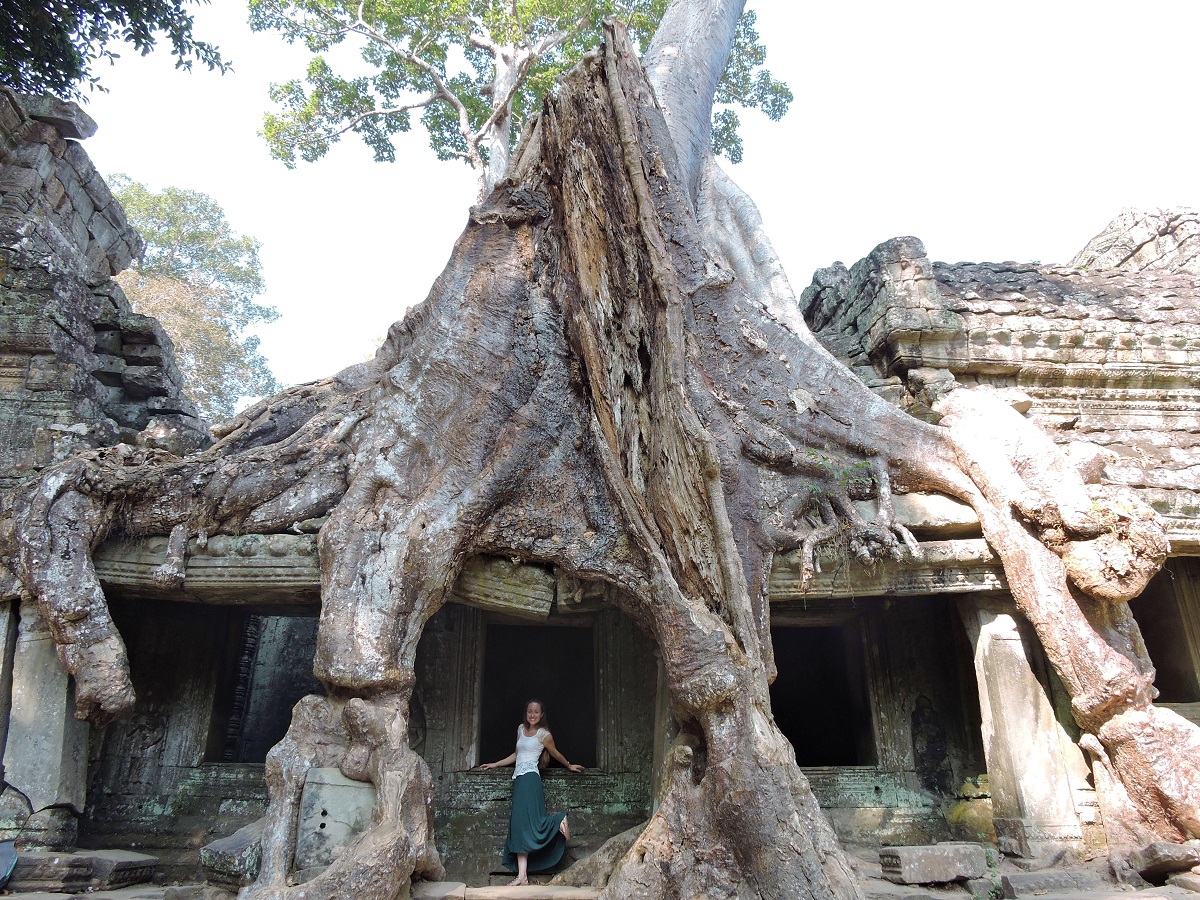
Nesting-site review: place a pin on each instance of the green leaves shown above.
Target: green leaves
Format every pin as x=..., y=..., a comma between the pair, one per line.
x=448, y=58
x=53, y=45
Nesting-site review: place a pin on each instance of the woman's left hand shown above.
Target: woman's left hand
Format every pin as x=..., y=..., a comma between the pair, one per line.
x=576, y=768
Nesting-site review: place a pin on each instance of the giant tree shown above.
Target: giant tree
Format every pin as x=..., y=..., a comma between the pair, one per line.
x=612, y=376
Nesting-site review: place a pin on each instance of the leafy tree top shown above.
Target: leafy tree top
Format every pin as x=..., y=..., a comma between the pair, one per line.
x=200, y=278
x=475, y=69
x=53, y=46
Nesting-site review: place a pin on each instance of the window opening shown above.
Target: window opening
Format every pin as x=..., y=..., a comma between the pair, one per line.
x=819, y=697
x=1168, y=613
x=555, y=664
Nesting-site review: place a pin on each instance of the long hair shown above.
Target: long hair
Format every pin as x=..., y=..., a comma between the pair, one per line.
x=544, y=758
x=544, y=723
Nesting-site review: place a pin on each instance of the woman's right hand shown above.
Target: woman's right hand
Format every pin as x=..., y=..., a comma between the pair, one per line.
x=488, y=766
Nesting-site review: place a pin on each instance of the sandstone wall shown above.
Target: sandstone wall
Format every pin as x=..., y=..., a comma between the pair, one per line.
x=1106, y=359
x=78, y=368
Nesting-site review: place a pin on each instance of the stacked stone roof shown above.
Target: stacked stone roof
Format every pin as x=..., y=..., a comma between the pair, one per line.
x=1107, y=356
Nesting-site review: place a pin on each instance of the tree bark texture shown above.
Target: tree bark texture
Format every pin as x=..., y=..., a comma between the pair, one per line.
x=612, y=376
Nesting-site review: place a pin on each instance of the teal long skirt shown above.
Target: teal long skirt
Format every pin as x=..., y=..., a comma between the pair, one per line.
x=530, y=830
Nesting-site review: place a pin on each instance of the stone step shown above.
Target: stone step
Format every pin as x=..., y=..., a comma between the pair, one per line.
x=139, y=892
x=94, y=871
x=453, y=890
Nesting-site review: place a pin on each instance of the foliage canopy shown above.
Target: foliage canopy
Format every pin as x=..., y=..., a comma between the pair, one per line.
x=53, y=46
x=200, y=279
x=475, y=69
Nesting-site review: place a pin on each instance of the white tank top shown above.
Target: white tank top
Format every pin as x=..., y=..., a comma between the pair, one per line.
x=528, y=751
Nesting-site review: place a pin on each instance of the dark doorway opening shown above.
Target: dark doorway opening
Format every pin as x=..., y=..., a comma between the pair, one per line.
x=1169, y=615
x=819, y=697
x=268, y=668
x=554, y=664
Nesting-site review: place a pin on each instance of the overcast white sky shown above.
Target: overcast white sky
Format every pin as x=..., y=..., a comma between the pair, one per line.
x=992, y=131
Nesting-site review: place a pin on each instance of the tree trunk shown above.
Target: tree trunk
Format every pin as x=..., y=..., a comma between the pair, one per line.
x=612, y=376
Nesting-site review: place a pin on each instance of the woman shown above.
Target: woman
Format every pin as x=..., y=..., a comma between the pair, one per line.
x=536, y=841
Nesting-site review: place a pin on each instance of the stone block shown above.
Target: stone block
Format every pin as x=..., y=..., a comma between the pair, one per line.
x=101, y=229
x=67, y=117
x=1028, y=884
x=46, y=753
x=76, y=157
x=233, y=862
x=18, y=180
x=1186, y=880
x=48, y=871
x=1156, y=861
x=146, y=381
x=113, y=869
x=933, y=864
x=333, y=811
x=197, y=892
x=532, y=892
x=35, y=156
x=439, y=890
x=139, y=329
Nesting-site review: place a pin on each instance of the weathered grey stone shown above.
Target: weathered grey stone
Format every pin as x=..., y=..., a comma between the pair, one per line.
x=146, y=381
x=66, y=116
x=933, y=864
x=439, y=890
x=1155, y=240
x=112, y=869
x=48, y=871
x=233, y=862
x=333, y=810
x=532, y=892
x=8, y=643
x=1189, y=881
x=1028, y=884
x=45, y=757
x=1155, y=861
x=197, y=892
x=1032, y=808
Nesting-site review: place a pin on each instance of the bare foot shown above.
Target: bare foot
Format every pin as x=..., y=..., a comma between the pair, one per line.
x=562, y=826
x=518, y=881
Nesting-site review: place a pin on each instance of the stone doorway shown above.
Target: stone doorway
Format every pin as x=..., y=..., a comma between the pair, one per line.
x=555, y=664
x=820, y=696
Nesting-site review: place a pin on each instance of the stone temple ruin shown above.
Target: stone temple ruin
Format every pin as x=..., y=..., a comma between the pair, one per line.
x=939, y=717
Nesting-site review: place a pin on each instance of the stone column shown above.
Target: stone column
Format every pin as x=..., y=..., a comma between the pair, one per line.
x=46, y=752
x=1028, y=775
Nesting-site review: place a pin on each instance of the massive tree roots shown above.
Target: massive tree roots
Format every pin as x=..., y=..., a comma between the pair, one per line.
x=611, y=375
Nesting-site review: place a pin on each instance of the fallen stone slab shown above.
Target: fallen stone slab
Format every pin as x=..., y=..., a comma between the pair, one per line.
x=49, y=872
x=885, y=890
x=113, y=869
x=1156, y=861
x=933, y=864
x=233, y=862
x=1027, y=884
x=1189, y=881
x=197, y=892
x=139, y=892
x=439, y=890
x=984, y=888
